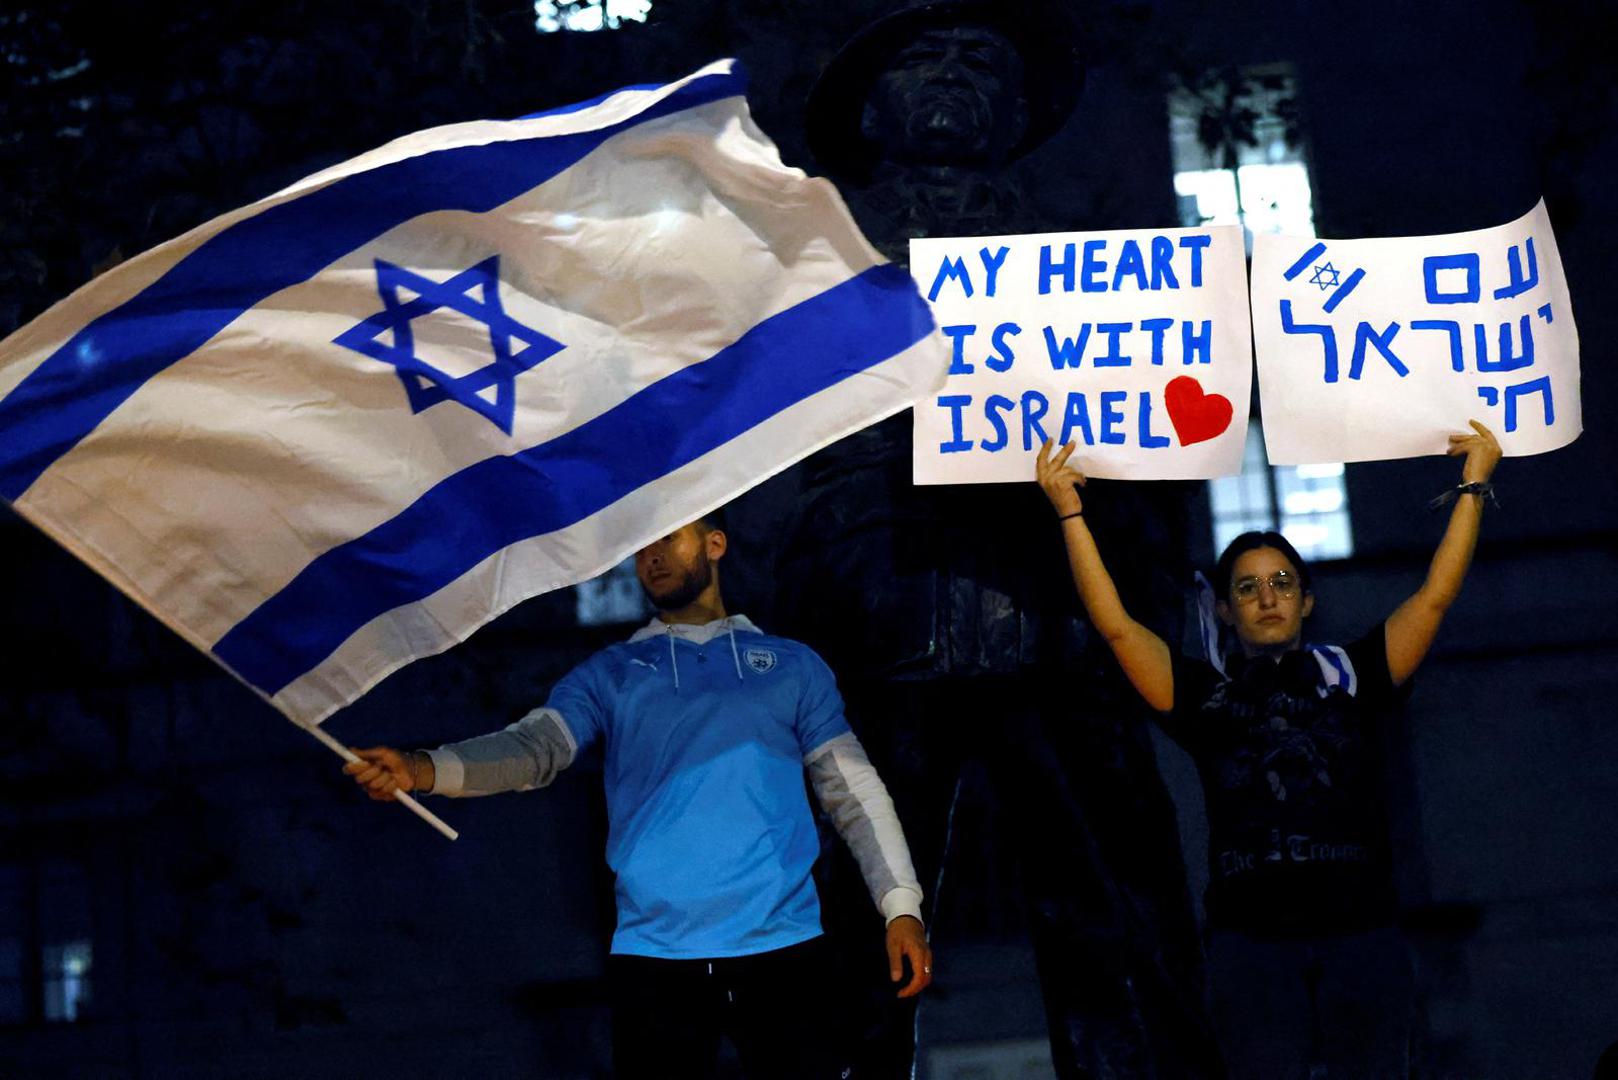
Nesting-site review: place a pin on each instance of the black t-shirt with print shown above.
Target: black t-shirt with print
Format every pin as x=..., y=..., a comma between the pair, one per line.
x=1292, y=774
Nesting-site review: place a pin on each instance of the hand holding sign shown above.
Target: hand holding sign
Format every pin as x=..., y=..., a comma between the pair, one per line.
x=1482, y=454
x=1059, y=480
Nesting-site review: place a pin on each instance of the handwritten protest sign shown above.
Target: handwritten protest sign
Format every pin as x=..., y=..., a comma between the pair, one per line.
x=1133, y=344
x=1371, y=349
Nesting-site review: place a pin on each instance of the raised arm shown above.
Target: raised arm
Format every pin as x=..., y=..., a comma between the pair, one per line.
x=1143, y=655
x=1411, y=628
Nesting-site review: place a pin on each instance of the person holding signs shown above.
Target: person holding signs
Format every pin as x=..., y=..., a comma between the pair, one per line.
x=1305, y=965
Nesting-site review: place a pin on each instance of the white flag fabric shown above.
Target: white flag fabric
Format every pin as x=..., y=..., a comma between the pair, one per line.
x=1383, y=348
x=343, y=427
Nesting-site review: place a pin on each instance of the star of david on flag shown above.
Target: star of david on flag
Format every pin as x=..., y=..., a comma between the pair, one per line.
x=1326, y=276
x=606, y=320
x=488, y=390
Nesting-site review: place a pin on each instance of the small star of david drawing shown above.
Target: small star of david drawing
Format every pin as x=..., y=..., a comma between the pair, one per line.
x=489, y=391
x=1325, y=276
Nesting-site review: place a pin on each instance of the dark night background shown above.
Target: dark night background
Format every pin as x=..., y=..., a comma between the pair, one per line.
x=250, y=914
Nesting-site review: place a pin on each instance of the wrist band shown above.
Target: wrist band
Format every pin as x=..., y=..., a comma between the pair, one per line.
x=1074, y=514
x=1481, y=489
x=413, y=763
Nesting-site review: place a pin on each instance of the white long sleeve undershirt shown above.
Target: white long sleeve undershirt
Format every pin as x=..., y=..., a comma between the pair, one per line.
x=858, y=804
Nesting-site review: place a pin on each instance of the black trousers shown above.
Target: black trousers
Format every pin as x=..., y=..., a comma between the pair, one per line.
x=780, y=1009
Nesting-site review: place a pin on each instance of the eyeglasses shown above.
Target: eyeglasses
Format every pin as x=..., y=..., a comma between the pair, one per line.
x=1282, y=582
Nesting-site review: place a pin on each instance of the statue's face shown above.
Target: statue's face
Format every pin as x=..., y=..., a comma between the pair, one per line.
x=953, y=96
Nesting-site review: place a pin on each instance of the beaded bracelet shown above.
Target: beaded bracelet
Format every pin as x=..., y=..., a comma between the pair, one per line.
x=1481, y=489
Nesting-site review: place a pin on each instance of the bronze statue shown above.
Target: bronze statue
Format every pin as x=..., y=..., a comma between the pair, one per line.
x=921, y=112
x=946, y=611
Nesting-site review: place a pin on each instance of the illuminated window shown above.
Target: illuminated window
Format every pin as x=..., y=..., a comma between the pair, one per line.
x=1304, y=503
x=67, y=979
x=588, y=15
x=45, y=941
x=1239, y=160
x=614, y=597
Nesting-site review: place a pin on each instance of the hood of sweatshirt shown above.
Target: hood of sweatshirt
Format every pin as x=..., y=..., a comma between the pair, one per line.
x=697, y=634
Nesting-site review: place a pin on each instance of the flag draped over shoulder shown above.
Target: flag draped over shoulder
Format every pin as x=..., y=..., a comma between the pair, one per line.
x=343, y=427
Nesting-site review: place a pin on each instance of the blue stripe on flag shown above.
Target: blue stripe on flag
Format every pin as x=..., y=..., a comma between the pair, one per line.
x=1338, y=659
x=104, y=363
x=1303, y=261
x=500, y=501
x=1341, y=292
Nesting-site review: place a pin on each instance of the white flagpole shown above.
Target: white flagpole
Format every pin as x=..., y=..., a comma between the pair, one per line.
x=410, y=804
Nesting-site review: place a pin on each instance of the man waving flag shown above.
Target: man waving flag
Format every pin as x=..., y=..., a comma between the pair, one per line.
x=343, y=427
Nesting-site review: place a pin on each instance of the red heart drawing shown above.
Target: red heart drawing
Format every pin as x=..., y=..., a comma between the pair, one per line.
x=1196, y=416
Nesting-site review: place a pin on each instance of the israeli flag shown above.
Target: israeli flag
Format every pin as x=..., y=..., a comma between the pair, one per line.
x=343, y=427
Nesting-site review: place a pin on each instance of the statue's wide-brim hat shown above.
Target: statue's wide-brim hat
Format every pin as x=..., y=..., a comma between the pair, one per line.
x=1042, y=34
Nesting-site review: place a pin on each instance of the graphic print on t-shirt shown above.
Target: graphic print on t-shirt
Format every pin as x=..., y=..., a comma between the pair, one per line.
x=1290, y=765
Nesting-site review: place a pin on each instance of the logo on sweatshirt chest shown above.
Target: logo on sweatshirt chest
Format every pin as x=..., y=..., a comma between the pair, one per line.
x=761, y=661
